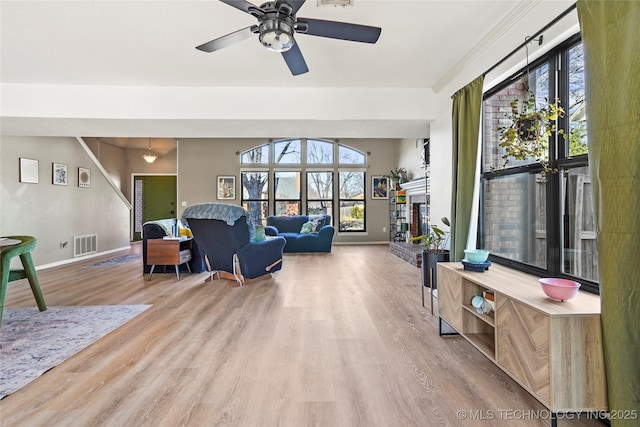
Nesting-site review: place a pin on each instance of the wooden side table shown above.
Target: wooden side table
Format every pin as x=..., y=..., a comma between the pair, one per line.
x=169, y=252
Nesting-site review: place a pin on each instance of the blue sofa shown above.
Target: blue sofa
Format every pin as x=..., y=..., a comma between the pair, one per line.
x=289, y=227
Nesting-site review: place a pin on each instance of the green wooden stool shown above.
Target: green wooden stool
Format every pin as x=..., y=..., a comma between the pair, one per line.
x=29, y=272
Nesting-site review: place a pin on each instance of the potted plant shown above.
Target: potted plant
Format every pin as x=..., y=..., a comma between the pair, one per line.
x=435, y=243
x=399, y=175
x=530, y=127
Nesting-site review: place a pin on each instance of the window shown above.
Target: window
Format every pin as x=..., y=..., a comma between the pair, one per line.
x=258, y=155
x=319, y=152
x=349, y=156
x=351, y=201
x=313, y=161
x=255, y=195
x=319, y=192
x=287, y=193
x=288, y=152
x=545, y=228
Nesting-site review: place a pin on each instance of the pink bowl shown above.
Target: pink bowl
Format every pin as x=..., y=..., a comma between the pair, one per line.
x=559, y=289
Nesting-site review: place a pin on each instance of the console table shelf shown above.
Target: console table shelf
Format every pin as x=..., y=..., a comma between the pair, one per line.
x=552, y=349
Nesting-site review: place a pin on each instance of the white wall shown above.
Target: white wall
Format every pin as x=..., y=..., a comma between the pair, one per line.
x=409, y=156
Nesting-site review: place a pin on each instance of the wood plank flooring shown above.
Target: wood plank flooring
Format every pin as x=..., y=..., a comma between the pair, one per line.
x=336, y=339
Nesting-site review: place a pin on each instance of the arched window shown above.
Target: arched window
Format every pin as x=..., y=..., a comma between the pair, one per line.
x=305, y=179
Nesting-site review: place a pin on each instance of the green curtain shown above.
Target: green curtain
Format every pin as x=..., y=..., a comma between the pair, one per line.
x=467, y=103
x=611, y=38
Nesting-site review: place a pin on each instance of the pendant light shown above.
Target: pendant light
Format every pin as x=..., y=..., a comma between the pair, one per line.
x=149, y=157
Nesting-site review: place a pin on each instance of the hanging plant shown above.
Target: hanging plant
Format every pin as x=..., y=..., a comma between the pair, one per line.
x=530, y=127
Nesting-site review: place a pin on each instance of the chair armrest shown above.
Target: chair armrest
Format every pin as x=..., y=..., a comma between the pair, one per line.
x=255, y=257
x=271, y=230
x=327, y=232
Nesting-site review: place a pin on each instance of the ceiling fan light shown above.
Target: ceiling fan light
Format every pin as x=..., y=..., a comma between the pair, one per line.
x=276, y=35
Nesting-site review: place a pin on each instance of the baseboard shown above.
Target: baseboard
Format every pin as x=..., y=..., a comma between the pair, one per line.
x=384, y=242
x=77, y=259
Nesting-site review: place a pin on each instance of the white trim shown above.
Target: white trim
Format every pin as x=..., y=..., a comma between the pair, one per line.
x=417, y=187
x=78, y=259
x=487, y=43
x=104, y=173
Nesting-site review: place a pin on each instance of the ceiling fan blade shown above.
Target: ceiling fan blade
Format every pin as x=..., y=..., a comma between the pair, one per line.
x=295, y=61
x=295, y=4
x=242, y=5
x=228, y=40
x=338, y=30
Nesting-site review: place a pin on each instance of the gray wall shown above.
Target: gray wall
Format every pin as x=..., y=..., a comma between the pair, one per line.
x=200, y=161
x=53, y=213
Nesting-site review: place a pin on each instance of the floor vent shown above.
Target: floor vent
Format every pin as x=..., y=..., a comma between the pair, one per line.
x=85, y=245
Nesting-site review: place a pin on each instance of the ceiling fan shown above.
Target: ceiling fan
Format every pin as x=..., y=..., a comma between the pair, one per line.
x=277, y=22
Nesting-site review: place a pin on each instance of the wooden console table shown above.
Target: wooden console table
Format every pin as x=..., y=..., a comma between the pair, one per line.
x=169, y=252
x=552, y=349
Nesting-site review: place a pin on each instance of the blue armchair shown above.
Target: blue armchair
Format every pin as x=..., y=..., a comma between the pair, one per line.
x=224, y=234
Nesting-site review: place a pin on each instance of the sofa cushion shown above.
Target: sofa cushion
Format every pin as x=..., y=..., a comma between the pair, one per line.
x=288, y=224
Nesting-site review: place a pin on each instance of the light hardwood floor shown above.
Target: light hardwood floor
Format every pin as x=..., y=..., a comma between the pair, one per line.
x=336, y=339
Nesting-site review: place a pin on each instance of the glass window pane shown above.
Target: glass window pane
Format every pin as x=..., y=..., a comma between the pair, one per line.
x=498, y=105
x=258, y=211
x=255, y=185
x=350, y=156
x=139, y=185
x=576, y=105
x=351, y=215
x=319, y=152
x=258, y=155
x=288, y=207
x=324, y=207
x=352, y=185
x=287, y=185
x=515, y=218
x=287, y=152
x=580, y=251
x=319, y=185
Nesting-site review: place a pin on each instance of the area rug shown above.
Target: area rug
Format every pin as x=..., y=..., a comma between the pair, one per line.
x=34, y=342
x=123, y=259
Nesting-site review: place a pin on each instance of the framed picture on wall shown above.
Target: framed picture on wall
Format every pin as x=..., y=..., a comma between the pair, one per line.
x=84, y=177
x=59, y=174
x=379, y=187
x=29, y=171
x=226, y=187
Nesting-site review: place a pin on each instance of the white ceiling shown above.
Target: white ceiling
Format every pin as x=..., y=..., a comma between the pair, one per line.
x=125, y=44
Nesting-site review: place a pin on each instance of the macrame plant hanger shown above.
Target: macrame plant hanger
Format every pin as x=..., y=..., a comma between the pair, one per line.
x=527, y=40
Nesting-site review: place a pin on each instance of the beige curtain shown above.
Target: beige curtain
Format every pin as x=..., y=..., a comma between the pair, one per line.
x=467, y=104
x=611, y=38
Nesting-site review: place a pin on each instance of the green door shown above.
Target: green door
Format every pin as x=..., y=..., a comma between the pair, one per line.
x=155, y=199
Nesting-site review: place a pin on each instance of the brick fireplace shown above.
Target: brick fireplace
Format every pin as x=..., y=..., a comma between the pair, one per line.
x=417, y=218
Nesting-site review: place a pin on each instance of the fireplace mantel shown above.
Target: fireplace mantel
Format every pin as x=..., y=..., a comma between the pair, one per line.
x=415, y=187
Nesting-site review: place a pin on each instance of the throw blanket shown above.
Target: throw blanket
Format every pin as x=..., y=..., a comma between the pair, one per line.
x=166, y=225
x=221, y=211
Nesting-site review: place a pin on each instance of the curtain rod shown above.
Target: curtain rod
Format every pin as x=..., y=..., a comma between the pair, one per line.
x=529, y=39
